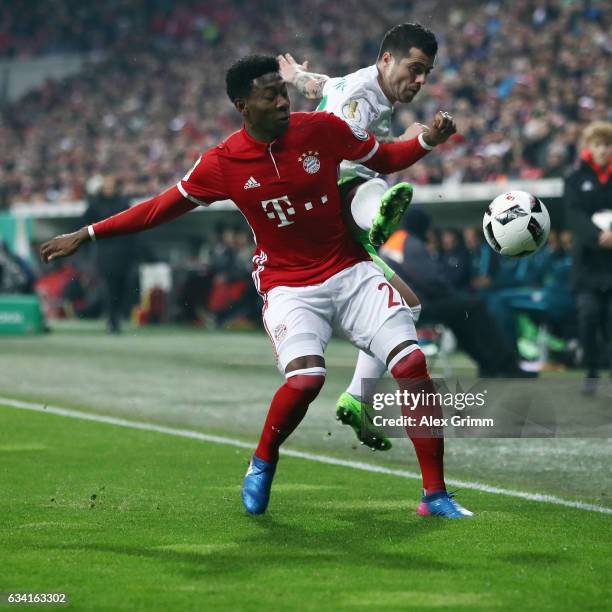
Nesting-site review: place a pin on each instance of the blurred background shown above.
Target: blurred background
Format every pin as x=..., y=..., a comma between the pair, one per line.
x=107, y=103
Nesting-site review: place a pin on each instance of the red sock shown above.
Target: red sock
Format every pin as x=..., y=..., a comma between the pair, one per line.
x=288, y=407
x=411, y=374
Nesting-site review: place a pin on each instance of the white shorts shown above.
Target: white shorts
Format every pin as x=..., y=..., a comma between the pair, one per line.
x=358, y=301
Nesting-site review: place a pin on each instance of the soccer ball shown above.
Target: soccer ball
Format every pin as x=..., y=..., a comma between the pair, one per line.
x=516, y=224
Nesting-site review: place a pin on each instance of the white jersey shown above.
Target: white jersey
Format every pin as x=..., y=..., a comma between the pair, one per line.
x=358, y=99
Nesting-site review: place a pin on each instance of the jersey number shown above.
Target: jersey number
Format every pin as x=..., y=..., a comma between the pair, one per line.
x=392, y=301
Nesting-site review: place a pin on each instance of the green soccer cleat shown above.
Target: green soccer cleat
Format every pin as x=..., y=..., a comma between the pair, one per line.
x=393, y=205
x=348, y=412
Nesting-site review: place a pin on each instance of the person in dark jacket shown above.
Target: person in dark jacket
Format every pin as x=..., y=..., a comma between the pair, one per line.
x=115, y=258
x=456, y=260
x=484, y=261
x=465, y=315
x=588, y=198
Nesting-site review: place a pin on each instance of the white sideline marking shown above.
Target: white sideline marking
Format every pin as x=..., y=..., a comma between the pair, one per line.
x=355, y=465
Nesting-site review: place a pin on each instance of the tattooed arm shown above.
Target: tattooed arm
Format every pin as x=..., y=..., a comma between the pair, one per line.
x=309, y=84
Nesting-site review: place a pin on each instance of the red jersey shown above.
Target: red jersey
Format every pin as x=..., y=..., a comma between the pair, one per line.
x=288, y=192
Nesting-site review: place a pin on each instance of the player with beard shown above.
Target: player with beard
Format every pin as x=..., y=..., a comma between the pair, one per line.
x=366, y=99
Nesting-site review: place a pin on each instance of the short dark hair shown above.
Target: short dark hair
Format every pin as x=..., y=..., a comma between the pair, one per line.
x=401, y=38
x=239, y=78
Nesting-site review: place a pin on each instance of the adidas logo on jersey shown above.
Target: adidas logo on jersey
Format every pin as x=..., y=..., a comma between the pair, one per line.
x=251, y=183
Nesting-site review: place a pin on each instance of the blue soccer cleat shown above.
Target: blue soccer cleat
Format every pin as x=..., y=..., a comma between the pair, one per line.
x=257, y=484
x=442, y=504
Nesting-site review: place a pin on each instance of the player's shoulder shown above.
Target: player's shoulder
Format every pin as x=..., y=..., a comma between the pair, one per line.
x=320, y=124
x=361, y=82
x=233, y=143
x=363, y=76
x=313, y=128
x=214, y=157
x=316, y=123
x=306, y=121
x=301, y=118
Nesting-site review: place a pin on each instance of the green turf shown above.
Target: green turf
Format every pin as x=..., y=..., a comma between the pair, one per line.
x=222, y=383
x=124, y=519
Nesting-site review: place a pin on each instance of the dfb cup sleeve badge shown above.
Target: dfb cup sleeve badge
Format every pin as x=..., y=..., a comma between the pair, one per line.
x=351, y=111
x=310, y=161
x=359, y=133
x=280, y=331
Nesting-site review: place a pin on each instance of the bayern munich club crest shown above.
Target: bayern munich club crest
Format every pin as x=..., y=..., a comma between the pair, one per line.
x=280, y=331
x=310, y=161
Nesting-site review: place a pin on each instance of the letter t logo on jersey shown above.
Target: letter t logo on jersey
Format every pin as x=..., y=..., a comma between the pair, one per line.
x=278, y=210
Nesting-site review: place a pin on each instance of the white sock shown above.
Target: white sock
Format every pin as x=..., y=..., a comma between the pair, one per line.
x=366, y=202
x=366, y=367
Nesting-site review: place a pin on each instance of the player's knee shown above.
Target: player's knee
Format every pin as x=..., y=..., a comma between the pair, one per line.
x=409, y=363
x=301, y=351
x=309, y=382
x=366, y=201
x=399, y=330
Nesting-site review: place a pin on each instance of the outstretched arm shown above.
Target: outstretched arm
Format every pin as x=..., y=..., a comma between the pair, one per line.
x=412, y=131
x=350, y=142
x=162, y=208
x=309, y=84
x=399, y=155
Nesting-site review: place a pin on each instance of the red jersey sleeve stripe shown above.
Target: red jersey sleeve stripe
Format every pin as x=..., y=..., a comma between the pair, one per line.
x=369, y=155
x=190, y=197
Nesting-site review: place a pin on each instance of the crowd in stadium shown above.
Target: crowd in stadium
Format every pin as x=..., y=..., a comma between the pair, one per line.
x=521, y=83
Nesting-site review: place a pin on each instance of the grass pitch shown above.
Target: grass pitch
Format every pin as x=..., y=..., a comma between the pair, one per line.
x=120, y=518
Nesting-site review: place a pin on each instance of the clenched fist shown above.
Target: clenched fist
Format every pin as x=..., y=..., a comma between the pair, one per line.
x=441, y=129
